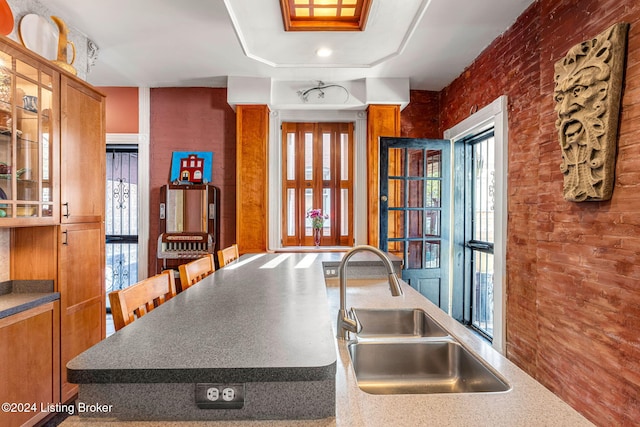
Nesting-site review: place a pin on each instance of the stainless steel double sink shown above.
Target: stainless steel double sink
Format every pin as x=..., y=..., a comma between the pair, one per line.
x=405, y=351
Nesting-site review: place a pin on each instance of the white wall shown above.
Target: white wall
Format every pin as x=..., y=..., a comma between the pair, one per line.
x=20, y=8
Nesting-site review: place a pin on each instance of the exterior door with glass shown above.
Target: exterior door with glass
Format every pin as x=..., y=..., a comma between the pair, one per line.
x=121, y=217
x=415, y=209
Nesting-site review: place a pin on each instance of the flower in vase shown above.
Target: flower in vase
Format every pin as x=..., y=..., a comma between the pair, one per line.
x=317, y=217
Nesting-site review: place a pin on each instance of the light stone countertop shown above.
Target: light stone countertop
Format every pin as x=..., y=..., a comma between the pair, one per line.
x=527, y=403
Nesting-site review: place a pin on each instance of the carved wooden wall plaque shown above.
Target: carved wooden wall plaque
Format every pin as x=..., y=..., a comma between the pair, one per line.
x=588, y=86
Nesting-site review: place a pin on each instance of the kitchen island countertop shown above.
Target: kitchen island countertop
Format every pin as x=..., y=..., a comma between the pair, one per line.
x=527, y=403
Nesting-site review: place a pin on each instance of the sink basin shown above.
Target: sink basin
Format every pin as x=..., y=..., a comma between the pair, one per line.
x=397, y=323
x=421, y=367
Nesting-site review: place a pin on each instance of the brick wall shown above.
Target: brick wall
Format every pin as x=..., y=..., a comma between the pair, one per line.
x=419, y=119
x=573, y=269
x=199, y=119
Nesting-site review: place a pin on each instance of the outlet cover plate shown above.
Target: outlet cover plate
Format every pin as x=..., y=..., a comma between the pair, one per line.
x=219, y=396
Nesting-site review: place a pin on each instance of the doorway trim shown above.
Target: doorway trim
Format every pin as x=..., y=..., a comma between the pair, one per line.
x=359, y=120
x=495, y=113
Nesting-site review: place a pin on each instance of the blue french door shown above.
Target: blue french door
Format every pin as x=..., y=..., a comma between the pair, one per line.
x=415, y=211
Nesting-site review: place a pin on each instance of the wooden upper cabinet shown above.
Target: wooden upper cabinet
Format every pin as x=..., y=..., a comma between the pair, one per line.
x=52, y=130
x=29, y=182
x=82, y=141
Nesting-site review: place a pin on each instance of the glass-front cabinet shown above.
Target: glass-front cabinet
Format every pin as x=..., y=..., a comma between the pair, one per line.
x=28, y=177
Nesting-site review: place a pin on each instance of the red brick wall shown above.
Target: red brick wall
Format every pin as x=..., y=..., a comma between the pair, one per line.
x=420, y=119
x=573, y=269
x=199, y=119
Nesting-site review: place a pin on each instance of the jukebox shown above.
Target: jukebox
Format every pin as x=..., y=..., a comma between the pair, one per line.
x=188, y=224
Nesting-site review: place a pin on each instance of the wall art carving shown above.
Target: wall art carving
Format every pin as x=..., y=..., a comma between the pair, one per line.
x=588, y=86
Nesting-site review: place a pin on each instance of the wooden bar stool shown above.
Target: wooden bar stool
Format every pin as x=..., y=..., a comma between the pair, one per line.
x=226, y=255
x=135, y=301
x=194, y=271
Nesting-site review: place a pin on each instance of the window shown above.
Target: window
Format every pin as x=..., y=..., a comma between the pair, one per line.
x=318, y=174
x=324, y=15
x=489, y=242
x=479, y=230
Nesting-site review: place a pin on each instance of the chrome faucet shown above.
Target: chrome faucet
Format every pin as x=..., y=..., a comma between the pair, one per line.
x=345, y=323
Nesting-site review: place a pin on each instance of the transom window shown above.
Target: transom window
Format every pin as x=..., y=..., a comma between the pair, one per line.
x=324, y=15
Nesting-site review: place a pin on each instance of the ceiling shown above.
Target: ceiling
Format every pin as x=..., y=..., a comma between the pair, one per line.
x=170, y=43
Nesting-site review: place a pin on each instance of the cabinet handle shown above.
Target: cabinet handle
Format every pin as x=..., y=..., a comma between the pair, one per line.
x=66, y=214
x=65, y=239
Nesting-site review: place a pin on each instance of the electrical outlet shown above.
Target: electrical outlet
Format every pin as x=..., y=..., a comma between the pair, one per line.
x=213, y=394
x=330, y=272
x=228, y=394
x=219, y=396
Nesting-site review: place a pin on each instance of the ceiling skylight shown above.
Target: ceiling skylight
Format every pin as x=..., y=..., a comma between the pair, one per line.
x=324, y=15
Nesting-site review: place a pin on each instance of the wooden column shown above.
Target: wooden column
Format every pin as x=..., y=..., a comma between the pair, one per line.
x=382, y=120
x=252, y=213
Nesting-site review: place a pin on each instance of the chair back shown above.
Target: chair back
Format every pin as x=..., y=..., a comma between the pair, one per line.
x=194, y=271
x=135, y=301
x=226, y=255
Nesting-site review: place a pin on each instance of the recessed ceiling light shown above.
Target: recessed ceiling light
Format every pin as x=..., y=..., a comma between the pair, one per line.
x=324, y=52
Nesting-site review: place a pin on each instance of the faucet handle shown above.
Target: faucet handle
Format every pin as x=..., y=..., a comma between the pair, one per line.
x=394, y=285
x=354, y=316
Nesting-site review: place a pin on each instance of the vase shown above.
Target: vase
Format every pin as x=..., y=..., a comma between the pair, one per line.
x=317, y=232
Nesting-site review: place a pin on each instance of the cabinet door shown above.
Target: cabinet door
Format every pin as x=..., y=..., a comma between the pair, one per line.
x=29, y=364
x=82, y=139
x=28, y=140
x=81, y=287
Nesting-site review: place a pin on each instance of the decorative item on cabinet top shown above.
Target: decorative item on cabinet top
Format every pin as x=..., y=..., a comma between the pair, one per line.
x=6, y=18
x=63, y=42
x=38, y=35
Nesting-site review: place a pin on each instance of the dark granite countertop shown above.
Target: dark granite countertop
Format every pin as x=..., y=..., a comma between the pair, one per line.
x=263, y=318
x=20, y=295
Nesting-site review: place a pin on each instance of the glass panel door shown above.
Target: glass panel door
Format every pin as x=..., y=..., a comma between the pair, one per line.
x=414, y=209
x=121, y=224
x=480, y=232
x=26, y=146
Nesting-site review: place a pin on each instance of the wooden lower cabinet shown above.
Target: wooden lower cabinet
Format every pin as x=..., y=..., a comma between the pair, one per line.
x=72, y=255
x=82, y=297
x=29, y=364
